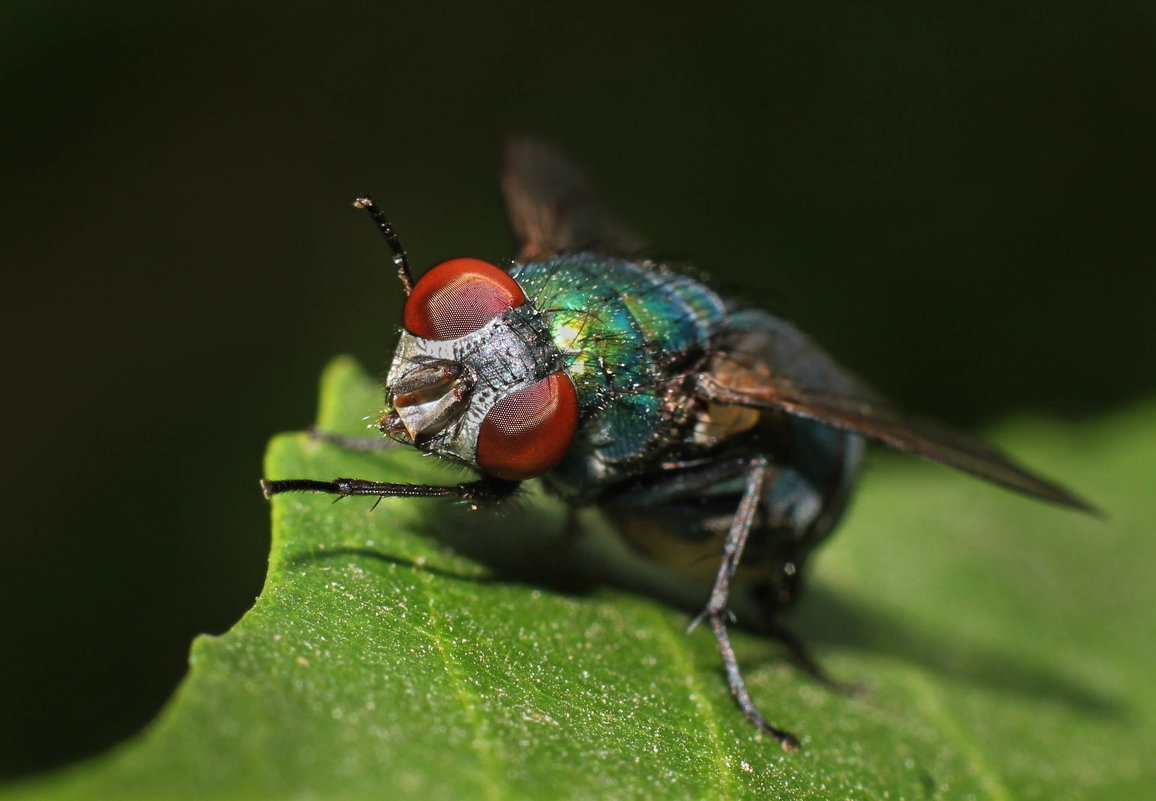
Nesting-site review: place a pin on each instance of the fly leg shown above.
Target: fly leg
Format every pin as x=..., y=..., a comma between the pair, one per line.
x=808, y=664
x=716, y=609
x=774, y=595
x=487, y=489
x=571, y=531
x=352, y=443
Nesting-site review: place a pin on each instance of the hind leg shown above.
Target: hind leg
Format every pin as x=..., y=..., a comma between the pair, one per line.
x=717, y=611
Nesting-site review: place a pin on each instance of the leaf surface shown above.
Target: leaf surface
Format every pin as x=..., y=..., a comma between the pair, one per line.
x=426, y=650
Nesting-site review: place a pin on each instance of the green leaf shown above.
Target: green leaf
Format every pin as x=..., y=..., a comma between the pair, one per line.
x=425, y=650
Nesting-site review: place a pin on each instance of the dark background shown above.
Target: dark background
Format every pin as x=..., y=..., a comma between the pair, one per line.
x=958, y=202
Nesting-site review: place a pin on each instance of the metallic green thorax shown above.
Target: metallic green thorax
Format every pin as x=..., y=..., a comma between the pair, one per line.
x=623, y=328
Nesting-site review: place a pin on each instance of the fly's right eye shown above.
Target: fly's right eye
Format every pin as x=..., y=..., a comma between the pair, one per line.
x=458, y=297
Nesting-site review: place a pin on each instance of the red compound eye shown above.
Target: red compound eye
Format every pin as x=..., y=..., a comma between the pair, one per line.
x=458, y=297
x=529, y=431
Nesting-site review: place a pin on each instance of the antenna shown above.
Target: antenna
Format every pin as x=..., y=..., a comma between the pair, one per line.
x=399, y=257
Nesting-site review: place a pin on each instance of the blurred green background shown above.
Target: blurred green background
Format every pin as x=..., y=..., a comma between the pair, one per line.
x=958, y=202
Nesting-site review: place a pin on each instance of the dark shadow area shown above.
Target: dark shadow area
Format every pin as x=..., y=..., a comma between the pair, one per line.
x=538, y=557
x=370, y=553
x=827, y=618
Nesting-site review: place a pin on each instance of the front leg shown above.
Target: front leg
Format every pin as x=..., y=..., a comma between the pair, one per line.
x=486, y=489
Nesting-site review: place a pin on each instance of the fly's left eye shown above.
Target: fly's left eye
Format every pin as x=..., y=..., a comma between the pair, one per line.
x=458, y=297
x=529, y=431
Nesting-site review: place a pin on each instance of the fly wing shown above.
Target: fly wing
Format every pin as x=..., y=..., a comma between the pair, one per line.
x=877, y=420
x=552, y=207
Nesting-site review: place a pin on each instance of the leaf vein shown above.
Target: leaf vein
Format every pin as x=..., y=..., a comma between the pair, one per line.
x=675, y=642
x=932, y=702
x=482, y=744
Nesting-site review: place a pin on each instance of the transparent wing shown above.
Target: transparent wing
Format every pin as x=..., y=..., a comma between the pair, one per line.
x=552, y=207
x=877, y=420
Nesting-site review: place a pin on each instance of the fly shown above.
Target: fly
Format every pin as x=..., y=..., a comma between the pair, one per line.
x=713, y=433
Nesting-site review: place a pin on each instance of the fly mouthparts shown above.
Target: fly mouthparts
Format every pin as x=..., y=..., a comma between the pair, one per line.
x=427, y=398
x=390, y=424
x=426, y=380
